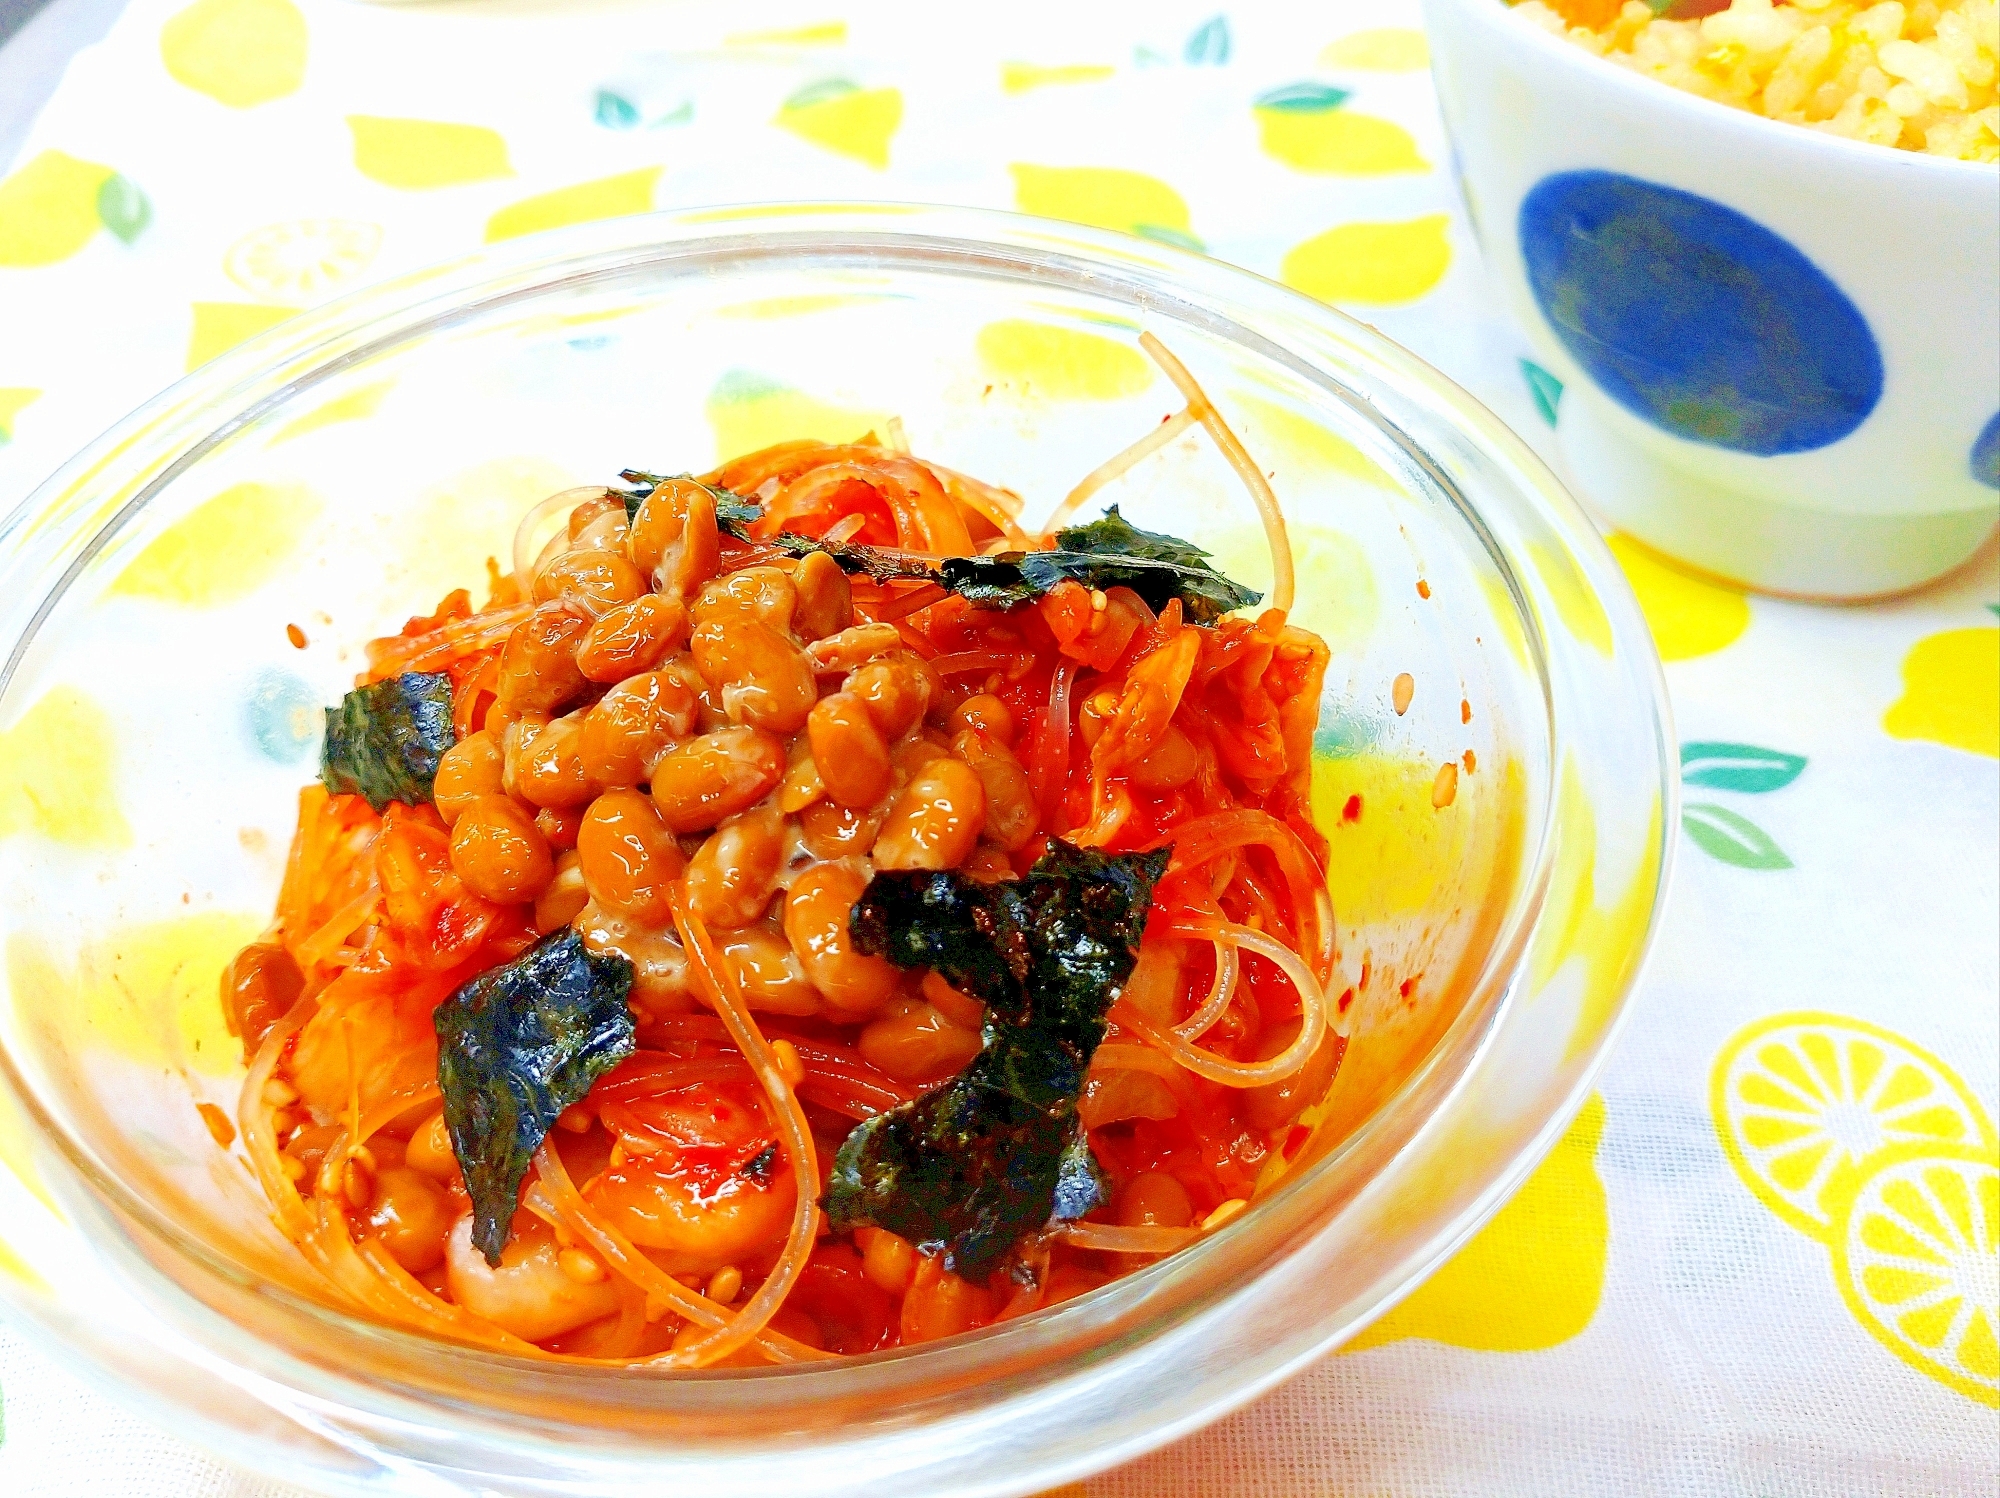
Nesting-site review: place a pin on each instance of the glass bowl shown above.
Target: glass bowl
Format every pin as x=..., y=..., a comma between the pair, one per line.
x=345, y=470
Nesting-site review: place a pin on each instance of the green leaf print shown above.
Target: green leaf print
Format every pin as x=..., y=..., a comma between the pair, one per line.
x=820, y=92
x=123, y=208
x=1738, y=767
x=615, y=111
x=1721, y=833
x=1545, y=387
x=1307, y=97
x=1209, y=45
x=1165, y=234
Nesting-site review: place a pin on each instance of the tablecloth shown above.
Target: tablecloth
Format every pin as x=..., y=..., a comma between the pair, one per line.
x=1763, y=1259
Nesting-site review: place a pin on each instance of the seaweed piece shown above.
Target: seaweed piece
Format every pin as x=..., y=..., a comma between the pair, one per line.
x=1108, y=552
x=857, y=560
x=516, y=1046
x=734, y=515
x=384, y=740
x=998, y=1151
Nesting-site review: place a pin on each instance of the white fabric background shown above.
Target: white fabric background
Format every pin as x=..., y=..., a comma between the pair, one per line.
x=1718, y=1358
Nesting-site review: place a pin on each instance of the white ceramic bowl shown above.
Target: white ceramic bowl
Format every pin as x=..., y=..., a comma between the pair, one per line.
x=1780, y=348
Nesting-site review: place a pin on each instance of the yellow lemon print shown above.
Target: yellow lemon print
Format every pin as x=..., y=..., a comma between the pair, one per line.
x=426, y=153
x=1386, y=49
x=301, y=260
x=14, y=400
x=238, y=52
x=48, y=209
x=778, y=308
x=1379, y=264
x=1533, y=1276
x=606, y=197
x=56, y=773
x=219, y=326
x=1604, y=938
x=1503, y=618
x=1338, y=142
x=819, y=34
x=1103, y=197
x=1807, y=1104
x=469, y=516
x=16, y=1268
x=146, y=991
x=1392, y=860
x=1341, y=606
x=844, y=117
x=224, y=549
x=1951, y=692
x=356, y=405
x=1917, y=1259
x=1019, y=77
x=1688, y=616
x=1282, y=435
x=1576, y=605
x=17, y=1156
x=749, y=411
x=1059, y=363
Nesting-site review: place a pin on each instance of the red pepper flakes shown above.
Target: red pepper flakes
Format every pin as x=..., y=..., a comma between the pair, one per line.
x=219, y=1126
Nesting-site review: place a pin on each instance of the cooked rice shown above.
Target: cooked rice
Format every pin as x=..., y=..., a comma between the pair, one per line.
x=1918, y=76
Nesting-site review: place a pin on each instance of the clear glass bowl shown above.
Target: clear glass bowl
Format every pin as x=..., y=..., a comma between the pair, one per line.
x=343, y=471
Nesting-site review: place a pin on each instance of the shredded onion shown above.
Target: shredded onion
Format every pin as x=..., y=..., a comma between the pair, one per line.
x=1239, y=459
x=1117, y=466
x=253, y=1119
x=1312, y=1015
x=1051, y=768
x=845, y=529
x=1000, y=506
x=718, y=985
x=525, y=551
x=1105, y=1238
x=1114, y=1056
x=970, y=660
x=1220, y=992
x=916, y=599
x=453, y=641
x=333, y=933
x=1196, y=843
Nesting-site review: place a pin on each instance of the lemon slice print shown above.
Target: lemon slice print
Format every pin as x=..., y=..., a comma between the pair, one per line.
x=1917, y=1257
x=1806, y=1104
x=302, y=259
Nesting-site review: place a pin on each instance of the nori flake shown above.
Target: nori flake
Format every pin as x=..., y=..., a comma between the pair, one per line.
x=998, y=1151
x=384, y=740
x=516, y=1046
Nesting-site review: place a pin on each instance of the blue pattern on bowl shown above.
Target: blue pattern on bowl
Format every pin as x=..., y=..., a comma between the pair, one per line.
x=1695, y=317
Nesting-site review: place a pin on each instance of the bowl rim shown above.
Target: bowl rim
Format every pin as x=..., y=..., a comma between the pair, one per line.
x=1649, y=92
x=300, y=341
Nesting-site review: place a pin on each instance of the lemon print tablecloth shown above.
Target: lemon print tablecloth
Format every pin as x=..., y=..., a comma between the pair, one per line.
x=1762, y=1261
